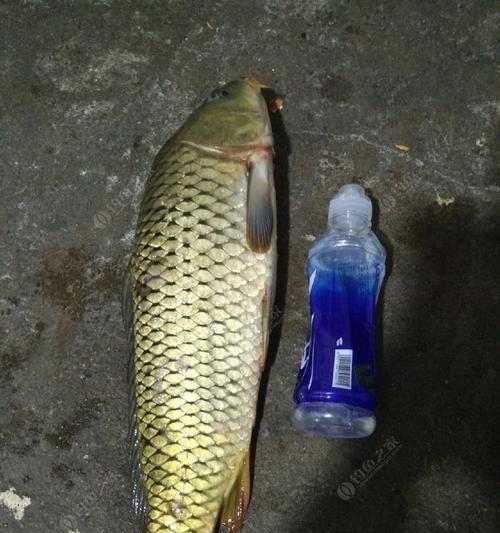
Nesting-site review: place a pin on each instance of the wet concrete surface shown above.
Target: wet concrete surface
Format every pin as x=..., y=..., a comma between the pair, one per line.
x=91, y=90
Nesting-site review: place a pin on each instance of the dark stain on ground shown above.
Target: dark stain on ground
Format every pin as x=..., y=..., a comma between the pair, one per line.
x=62, y=280
x=64, y=473
x=492, y=174
x=35, y=89
x=353, y=30
x=22, y=433
x=110, y=280
x=337, y=88
x=67, y=281
x=354, y=35
x=137, y=142
x=39, y=328
x=14, y=301
x=63, y=436
x=13, y=357
x=10, y=360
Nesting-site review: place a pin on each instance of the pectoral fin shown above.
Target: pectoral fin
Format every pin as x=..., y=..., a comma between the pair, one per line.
x=261, y=204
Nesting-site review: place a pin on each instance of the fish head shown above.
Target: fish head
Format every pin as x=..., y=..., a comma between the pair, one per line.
x=234, y=115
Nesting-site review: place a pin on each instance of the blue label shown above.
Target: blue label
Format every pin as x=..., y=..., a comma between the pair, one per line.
x=339, y=357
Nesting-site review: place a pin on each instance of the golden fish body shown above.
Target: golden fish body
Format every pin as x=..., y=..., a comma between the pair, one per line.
x=201, y=288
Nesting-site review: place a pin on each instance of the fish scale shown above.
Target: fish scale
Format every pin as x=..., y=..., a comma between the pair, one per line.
x=197, y=296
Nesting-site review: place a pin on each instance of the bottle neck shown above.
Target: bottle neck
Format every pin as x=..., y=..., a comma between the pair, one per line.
x=350, y=223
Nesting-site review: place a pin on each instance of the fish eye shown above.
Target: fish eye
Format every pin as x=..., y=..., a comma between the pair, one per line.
x=217, y=93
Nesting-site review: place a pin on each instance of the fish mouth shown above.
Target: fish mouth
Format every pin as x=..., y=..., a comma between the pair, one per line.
x=265, y=141
x=255, y=83
x=274, y=101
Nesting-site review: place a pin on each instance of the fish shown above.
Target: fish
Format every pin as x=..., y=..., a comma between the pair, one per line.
x=198, y=297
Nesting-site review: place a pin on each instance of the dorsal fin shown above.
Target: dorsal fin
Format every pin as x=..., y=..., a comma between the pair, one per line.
x=138, y=495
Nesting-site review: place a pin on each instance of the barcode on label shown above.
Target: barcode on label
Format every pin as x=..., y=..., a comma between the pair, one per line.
x=342, y=369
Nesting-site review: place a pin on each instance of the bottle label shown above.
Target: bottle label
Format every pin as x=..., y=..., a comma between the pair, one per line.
x=339, y=356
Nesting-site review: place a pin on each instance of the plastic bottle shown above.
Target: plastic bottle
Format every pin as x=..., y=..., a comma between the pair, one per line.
x=334, y=394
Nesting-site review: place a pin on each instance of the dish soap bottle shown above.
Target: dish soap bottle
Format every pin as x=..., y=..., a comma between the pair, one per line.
x=335, y=395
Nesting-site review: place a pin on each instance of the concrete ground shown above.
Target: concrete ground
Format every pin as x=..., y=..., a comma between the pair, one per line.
x=90, y=90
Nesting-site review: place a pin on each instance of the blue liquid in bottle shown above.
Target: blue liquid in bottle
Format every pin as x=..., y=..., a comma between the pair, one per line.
x=335, y=394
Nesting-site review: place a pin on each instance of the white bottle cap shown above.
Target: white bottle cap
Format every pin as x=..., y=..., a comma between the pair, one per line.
x=350, y=201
